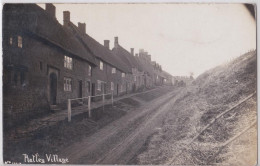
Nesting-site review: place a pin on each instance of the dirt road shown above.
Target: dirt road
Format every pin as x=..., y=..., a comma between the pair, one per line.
x=121, y=140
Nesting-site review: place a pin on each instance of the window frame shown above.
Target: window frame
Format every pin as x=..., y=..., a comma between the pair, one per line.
x=19, y=41
x=10, y=40
x=123, y=75
x=99, y=84
x=113, y=70
x=68, y=62
x=101, y=65
x=89, y=70
x=67, y=84
x=112, y=86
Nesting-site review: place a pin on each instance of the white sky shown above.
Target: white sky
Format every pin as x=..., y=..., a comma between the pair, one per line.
x=183, y=38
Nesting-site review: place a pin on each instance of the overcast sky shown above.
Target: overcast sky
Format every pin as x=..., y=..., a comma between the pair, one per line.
x=183, y=38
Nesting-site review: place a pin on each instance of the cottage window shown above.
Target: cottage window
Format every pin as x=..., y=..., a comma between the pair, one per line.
x=11, y=40
x=123, y=75
x=101, y=65
x=67, y=84
x=112, y=86
x=89, y=70
x=68, y=62
x=99, y=85
x=113, y=70
x=20, y=41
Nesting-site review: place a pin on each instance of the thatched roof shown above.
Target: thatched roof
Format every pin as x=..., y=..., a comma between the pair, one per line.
x=99, y=50
x=34, y=20
x=127, y=58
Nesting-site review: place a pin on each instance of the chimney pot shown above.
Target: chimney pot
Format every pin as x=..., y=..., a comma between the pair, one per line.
x=82, y=27
x=106, y=43
x=66, y=17
x=132, y=51
x=116, y=42
x=50, y=9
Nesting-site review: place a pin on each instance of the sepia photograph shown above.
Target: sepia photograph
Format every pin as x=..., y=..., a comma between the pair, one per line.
x=129, y=83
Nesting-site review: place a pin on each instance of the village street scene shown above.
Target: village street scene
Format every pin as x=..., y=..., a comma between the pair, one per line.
x=129, y=84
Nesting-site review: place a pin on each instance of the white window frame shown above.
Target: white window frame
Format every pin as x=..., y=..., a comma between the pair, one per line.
x=89, y=70
x=113, y=70
x=11, y=40
x=123, y=75
x=68, y=62
x=20, y=41
x=67, y=84
x=112, y=86
x=99, y=84
x=101, y=65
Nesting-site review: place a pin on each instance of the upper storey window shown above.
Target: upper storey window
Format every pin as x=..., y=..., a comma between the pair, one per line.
x=19, y=41
x=68, y=62
x=101, y=65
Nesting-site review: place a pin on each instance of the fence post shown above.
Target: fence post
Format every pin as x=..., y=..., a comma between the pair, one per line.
x=112, y=99
x=89, y=108
x=103, y=100
x=69, y=110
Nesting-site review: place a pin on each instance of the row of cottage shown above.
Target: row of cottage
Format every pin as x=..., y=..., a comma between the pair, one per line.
x=46, y=63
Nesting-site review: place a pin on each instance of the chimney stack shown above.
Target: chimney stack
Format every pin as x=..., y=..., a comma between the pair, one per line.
x=50, y=9
x=106, y=43
x=116, y=42
x=66, y=17
x=132, y=51
x=82, y=27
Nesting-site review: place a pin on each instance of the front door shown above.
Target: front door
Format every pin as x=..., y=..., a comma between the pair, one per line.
x=93, y=91
x=80, y=89
x=117, y=89
x=53, y=88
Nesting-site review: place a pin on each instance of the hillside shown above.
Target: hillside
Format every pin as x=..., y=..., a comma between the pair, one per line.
x=213, y=121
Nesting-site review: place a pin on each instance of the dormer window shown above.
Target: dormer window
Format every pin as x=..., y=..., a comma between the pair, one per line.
x=89, y=70
x=68, y=62
x=113, y=70
x=123, y=75
x=101, y=65
x=20, y=42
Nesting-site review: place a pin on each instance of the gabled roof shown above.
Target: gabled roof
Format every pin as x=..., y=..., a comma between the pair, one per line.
x=126, y=57
x=99, y=50
x=34, y=20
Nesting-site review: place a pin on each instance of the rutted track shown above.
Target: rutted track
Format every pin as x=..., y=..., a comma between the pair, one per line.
x=119, y=142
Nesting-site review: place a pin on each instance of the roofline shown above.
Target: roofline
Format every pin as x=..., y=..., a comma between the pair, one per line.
x=57, y=45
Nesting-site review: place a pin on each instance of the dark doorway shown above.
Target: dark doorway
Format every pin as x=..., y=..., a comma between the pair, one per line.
x=117, y=89
x=53, y=88
x=80, y=89
x=126, y=88
x=92, y=91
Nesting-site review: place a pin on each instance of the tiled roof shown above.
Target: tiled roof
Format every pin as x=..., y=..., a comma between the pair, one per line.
x=35, y=20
